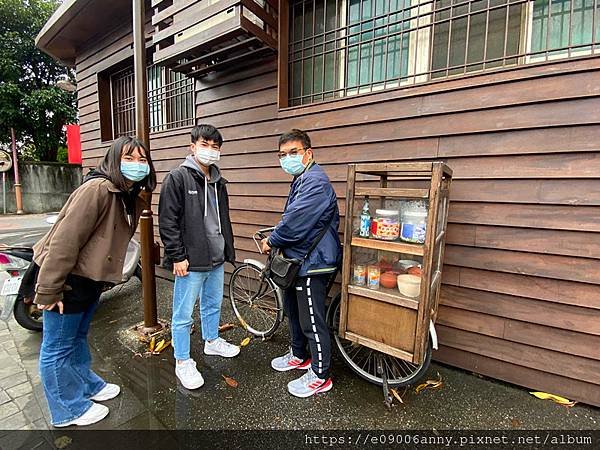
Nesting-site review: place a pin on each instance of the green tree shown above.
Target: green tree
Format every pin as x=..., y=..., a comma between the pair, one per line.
x=30, y=102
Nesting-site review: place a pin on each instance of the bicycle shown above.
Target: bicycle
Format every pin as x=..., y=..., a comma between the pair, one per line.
x=258, y=304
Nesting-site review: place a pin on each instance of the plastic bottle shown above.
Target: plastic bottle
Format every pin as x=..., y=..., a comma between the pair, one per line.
x=365, y=220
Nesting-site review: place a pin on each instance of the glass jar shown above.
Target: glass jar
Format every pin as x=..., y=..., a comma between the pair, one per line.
x=386, y=225
x=373, y=275
x=414, y=224
x=359, y=277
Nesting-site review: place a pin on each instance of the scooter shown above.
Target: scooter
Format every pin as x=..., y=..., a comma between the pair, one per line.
x=14, y=261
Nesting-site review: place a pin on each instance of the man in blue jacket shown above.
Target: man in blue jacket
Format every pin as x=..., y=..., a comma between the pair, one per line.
x=311, y=206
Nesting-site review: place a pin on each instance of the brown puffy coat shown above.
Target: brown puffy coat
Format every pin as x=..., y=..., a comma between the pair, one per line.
x=89, y=239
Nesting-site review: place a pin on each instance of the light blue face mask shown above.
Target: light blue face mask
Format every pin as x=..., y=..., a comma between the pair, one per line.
x=292, y=164
x=134, y=171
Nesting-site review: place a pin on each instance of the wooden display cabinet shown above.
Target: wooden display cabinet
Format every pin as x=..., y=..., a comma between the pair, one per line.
x=384, y=319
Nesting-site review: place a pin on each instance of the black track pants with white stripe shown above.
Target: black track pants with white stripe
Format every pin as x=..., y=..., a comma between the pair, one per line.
x=304, y=305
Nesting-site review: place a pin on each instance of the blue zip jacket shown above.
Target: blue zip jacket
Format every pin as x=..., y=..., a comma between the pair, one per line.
x=311, y=205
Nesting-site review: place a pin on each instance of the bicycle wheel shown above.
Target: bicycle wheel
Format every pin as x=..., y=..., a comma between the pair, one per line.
x=256, y=301
x=364, y=361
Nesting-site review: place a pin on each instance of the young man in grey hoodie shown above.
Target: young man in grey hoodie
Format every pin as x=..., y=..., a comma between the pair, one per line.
x=196, y=232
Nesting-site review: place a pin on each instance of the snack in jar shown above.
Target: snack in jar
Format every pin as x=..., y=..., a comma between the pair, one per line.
x=414, y=226
x=386, y=225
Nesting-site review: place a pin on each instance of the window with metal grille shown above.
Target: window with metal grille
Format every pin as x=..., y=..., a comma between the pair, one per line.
x=346, y=47
x=170, y=100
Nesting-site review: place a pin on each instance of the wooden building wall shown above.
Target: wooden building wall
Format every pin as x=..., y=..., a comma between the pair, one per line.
x=521, y=297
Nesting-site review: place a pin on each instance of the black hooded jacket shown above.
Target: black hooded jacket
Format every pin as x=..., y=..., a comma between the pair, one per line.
x=181, y=216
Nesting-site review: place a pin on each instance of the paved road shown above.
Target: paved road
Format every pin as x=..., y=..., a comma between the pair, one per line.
x=152, y=398
x=22, y=231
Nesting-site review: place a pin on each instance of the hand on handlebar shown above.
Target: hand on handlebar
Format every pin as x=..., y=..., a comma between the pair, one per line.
x=266, y=248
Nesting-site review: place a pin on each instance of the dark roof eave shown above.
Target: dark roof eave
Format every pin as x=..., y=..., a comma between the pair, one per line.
x=74, y=23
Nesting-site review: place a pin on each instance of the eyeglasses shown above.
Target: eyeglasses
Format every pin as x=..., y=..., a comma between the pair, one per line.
x=291, y=152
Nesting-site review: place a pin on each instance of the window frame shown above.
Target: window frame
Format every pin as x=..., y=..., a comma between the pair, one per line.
x=557, y=54
x=523, y=62
x=106, y=99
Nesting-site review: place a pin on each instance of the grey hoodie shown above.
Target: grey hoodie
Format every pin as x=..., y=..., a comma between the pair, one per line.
x=212, y=218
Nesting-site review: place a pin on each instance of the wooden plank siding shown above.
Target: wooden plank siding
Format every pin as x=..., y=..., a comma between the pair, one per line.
x=521, y=296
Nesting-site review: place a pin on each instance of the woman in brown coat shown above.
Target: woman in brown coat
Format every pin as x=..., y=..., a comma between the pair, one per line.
x=84, y=251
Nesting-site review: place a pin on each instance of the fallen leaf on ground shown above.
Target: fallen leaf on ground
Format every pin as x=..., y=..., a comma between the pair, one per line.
x=226, y=326
x=152, y=344
x=230, y=381
x=555, y=398
x=515, y=423
x=245, y=342
x=161, y=348
x=62, y=442
x=158, y=346
x=395, y=394
x=243, y=323
x=430, y=384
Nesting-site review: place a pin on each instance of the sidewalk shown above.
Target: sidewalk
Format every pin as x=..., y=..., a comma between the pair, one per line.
x=21, y=399
x=151, y=398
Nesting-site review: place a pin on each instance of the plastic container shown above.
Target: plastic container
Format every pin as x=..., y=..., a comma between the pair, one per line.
x=409, y=285
x=414, y=224
x=386, y=225
x=406, y=264
x=388, y=279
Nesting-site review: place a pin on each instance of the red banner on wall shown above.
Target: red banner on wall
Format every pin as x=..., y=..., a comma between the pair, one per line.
x=73, y=144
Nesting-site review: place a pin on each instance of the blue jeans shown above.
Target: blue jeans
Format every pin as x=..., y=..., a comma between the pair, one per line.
x=65, y=362
x=208, y=287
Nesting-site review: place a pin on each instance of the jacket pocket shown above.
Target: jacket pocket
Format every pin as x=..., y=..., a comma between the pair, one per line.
x=98, y=260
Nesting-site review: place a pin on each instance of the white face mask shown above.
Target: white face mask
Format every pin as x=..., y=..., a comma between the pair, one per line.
x=207, y=156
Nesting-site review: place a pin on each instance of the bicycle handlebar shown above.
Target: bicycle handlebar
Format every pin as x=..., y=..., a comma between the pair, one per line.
x=260, y=235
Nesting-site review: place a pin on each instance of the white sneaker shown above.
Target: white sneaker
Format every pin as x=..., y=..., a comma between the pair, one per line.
x=221, y=347
x=95, y=414
x=109, y=391
x=289, y=362
x=188, y=374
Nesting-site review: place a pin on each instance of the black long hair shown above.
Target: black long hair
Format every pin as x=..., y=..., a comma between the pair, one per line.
x=110, y=166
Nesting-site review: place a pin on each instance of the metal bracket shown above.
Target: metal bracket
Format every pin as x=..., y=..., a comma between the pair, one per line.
x=387, y=398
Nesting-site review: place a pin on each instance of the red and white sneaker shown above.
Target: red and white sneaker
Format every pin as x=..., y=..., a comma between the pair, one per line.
x=289, y=362
x=309, y=384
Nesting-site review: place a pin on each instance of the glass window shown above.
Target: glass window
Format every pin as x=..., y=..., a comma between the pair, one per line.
x=339, y=48
x=170, y=100
x=562, y=27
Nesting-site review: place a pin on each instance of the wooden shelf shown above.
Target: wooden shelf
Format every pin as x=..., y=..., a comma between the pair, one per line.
x=392, y=296
x=379, y=346
x=392, y=192
x=384, y=319
x=390, y=246
x=391, y=168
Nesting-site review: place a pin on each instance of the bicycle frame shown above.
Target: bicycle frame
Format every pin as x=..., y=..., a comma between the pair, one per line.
x=257, y=237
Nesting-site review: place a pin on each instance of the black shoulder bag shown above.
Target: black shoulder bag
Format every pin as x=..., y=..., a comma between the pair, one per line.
x=284, y=271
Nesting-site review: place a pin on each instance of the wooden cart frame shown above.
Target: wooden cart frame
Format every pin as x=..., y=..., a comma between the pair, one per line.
x=364, y=312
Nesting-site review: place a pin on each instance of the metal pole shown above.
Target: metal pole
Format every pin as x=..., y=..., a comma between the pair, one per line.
x=143, y=133
x=4, y=190
x=19, y=198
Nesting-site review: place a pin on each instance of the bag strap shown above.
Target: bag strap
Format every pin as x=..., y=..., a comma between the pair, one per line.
x=319, y=236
